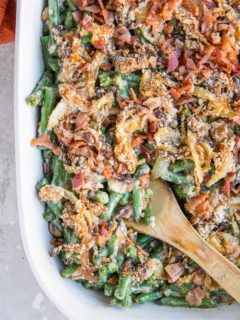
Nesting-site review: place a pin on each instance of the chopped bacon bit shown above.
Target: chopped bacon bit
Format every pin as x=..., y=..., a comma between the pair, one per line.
x=173, y=61
x=44, y=141
x=103, y=238
x=76, y=16
x=178, y=92
x=86, y=22
x=78, y=181
x=146, y=152
x=174, y=271
x=236, y=120
x=105, y=13
x=81, y=121
x=227, y=183
x=93, y=9
x=195, y=296
x=99, y=44
x=123, y=35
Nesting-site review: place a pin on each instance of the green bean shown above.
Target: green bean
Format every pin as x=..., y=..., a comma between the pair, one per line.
x=47, y=163
x=120, y=260
x=109, y=289
x=57, y=223
x=148, y=216
x=102, y=252
x=142, y=169
x=100, y=196
x=122, y=86
x=127, y=300
x=86, y=39
x=137, y=203
x=49, y=103
x=142, y=288
x=237, y=130
x=36, y=96
x=161, y=170
x=71, y=5
x=140, y=37
x=105, y=80
x=143, y=239
x=147, y=297
x=113, y=246
x=182, y=289
x=48, y=215
x=207, y=303
x=114, y=302
x=149, y=247
x=123, y=287
x=103, y=274
x=42, y=183
x=54, y=12
x=180, y=302
x=54, y=64
x=125, y=198
x=184, y=191
x=69, y=23
x=114, y=199
x=58, y=169
x=45, y=43
x=69, y=271
x=132, y=252
x=157, y=252
x=173, y=302
x=105, y=271
x=182, y=165
x=125, y=82
x=70, y=236
x=56, y=208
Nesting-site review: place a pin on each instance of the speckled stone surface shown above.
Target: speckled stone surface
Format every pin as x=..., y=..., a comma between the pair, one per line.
x=21, y=298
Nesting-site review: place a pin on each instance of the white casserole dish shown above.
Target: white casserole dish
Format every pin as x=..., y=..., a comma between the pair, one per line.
x=72, y=299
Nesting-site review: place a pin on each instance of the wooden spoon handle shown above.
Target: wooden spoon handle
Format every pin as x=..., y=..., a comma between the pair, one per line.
x=225, y=273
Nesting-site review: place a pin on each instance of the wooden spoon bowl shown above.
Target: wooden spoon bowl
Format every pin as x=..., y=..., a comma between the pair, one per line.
x=172, y=226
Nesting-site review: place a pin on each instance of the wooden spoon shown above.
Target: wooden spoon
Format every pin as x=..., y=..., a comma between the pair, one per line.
x=172, y=226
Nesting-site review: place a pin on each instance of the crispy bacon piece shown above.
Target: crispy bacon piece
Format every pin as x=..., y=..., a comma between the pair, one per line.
x=174, y=271
x=105, y=13
x=81, y=121
x=87, y=22
x=123, y=35
x=173, y=60
x=78, y=181
x=195, y=296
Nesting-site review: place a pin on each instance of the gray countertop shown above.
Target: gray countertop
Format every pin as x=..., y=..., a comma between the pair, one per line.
x=21, y=298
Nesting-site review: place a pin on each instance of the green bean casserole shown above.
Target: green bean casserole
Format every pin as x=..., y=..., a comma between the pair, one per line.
x=134, y=89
